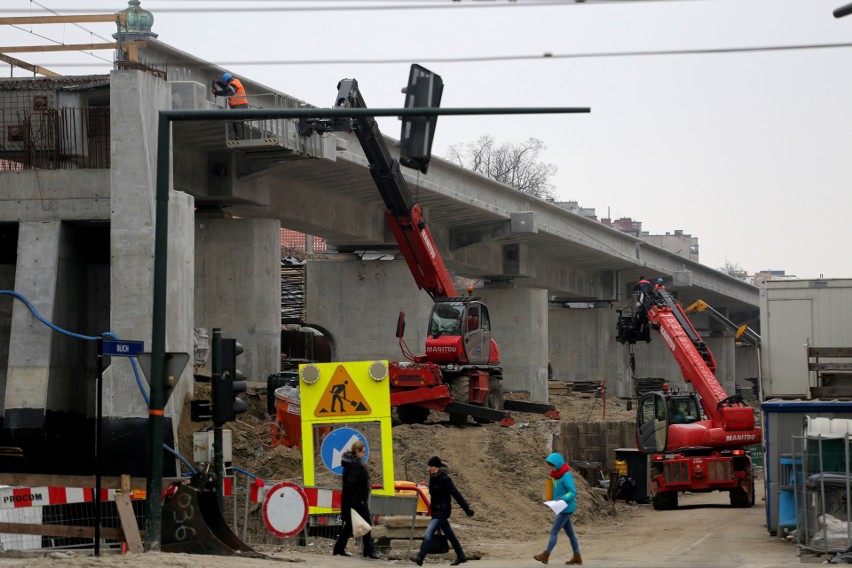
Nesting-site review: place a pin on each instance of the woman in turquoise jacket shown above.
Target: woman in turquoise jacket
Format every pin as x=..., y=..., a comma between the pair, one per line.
x=564, y=489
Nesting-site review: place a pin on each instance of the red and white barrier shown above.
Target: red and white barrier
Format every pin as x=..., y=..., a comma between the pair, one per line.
x=18, y=497
x=257, y=490
x=326, y=498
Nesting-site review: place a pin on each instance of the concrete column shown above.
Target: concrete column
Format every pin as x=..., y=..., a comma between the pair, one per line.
x=136, y=99
x=31, y=342
x=583, y=348
x=356, y=304
x=723, y=351
x=519, y=324
x=238, y=278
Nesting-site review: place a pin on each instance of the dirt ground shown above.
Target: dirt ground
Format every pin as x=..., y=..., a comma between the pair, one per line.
x=501, y=472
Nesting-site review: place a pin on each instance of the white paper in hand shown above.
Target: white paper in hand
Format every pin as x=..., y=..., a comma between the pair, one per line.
x=557, y=506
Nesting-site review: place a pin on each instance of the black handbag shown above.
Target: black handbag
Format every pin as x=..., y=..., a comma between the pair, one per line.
x=440, y=545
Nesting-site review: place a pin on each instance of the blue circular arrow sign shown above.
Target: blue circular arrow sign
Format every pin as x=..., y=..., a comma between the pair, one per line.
x=336, y=443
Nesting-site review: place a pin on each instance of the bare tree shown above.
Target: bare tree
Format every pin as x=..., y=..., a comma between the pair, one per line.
x=733, y=269
x=516, y=165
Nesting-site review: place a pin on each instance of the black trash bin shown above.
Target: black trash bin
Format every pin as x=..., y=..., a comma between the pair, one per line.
x=637, y=470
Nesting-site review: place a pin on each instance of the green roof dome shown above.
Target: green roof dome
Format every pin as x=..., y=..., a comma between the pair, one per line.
x=139, y=22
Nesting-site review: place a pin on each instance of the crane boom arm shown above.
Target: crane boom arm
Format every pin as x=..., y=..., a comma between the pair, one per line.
x=695, y=360
x=404, y=217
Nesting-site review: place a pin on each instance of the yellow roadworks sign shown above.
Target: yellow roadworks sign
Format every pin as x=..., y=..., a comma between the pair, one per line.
x=342, y=397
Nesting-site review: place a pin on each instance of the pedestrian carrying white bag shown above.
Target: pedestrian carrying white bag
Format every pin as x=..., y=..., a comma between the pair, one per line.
x=360, y=527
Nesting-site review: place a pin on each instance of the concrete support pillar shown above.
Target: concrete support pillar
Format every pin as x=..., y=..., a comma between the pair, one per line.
x=136, y=99
x=356, y=304
x=31, y=342
x=520, y=313
x=238, y=278
x=724, y=353
x=583, y=348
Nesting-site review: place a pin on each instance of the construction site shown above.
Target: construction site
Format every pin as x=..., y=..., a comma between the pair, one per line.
x=217, y=377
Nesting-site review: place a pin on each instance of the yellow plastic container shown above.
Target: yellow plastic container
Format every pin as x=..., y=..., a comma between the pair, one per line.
x=399, y=489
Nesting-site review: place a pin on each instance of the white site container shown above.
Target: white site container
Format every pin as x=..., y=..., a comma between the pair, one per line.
x=795, y=315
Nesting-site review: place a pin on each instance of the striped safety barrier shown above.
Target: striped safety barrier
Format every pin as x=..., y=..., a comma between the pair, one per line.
x=325, y=498
x=17, y=497
x=257, y=490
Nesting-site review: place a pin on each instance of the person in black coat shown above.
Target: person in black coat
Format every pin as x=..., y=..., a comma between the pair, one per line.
x=355, y=495
x=441, y=489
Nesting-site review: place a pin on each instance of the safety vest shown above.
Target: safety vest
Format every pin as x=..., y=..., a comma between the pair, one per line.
x=239, y=98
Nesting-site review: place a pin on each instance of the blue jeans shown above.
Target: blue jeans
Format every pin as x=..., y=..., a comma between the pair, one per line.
x=448, y=532
x=563, y=521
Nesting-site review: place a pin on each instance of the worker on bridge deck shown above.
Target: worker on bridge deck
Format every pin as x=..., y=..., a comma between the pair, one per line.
x=232, y=88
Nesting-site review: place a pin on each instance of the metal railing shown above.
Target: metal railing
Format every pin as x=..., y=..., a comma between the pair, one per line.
x=822, y=490
x=272, y=133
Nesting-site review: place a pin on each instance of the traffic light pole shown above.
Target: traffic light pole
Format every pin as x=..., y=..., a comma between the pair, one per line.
x=154, y=505
x=154, y=484
x=218, y=460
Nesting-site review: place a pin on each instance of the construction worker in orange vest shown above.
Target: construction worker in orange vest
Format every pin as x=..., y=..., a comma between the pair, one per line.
x=231, y=87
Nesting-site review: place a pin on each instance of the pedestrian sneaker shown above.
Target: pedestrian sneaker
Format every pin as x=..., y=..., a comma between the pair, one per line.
x=417, y=560
x=458, y=561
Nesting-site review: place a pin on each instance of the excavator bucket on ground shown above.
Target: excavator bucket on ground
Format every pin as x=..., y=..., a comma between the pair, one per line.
x=193, y=524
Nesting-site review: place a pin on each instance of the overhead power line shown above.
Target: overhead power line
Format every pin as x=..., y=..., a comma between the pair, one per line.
x=492, y=58
x=352, y=7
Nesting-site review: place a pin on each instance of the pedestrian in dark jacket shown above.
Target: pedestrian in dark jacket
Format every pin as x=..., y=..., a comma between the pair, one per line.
x=355, y=495
x=441, y=489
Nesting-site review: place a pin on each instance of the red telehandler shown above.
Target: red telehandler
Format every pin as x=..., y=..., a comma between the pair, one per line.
x=688, y=451
x=460, y=372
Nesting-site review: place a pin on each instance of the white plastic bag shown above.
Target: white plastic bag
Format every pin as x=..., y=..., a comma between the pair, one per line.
x=360, y=527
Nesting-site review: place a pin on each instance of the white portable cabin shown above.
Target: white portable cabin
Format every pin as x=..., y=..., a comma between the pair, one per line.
x=796, y=315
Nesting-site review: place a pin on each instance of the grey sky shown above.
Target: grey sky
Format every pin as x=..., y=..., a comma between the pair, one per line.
x=743, y=150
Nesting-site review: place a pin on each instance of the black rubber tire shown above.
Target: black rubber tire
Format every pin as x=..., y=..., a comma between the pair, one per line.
x=460, y=391
x=411, y=414
x=742, y=498
x=665, y=501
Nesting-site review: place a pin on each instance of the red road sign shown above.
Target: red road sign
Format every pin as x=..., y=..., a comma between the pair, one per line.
x=285, y=509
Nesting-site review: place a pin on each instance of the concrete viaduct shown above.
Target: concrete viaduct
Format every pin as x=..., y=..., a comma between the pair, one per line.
x=78, y=243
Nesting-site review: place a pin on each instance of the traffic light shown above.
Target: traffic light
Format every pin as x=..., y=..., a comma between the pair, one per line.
x=228, y=385
x=415, y=143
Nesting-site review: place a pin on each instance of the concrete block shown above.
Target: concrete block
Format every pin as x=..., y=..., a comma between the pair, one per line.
x=403, y=522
